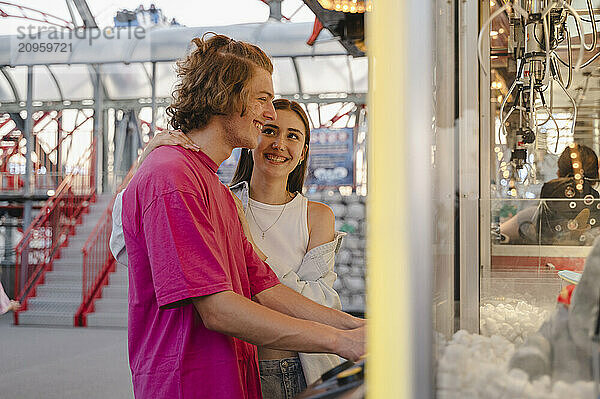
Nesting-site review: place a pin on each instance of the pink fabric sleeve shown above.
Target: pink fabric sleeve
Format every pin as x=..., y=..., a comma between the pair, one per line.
x=185, y=255
x=261, y=275
x=4, y=301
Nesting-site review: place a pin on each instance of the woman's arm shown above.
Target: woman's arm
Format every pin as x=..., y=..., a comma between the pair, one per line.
x=319, y=290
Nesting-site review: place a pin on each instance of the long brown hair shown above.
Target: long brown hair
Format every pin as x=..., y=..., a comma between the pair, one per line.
x=589, y=161
x=295, y=180
x=214, y=81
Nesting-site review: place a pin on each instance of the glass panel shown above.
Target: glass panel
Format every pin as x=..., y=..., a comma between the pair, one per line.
x=44, y=86
x=359, y=68
x=530, y=146
x=540, y=172
x=74, y=80
x=443, y=171
x=165, y=78
x=19, y=78
x=6, y=93
x=126, y=81
x=284, y=76
x=324, y=74
x=532, y=241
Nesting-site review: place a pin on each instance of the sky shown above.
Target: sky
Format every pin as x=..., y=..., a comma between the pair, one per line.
x=189, y=13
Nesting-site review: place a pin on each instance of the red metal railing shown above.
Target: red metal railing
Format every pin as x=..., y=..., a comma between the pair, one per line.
x=11, y=10
x=98, y=261
x=42, y=181
x=51, y=229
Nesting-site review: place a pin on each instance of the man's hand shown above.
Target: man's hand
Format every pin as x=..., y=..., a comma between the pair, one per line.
x=168, y=137
x=351, y=343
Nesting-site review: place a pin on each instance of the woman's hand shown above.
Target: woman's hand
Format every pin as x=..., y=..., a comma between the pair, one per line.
x=242, y=216
x=14, y=306
x=168, y=137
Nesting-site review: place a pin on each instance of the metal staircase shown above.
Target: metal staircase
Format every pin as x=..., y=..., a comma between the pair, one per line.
x=111, y=309
x=65, y=274
x=59, y=296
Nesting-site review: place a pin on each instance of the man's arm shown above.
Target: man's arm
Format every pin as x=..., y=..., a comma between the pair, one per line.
x=237, y=316
x=289, y=302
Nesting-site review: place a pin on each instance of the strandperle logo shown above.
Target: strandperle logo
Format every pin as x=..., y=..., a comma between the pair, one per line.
x=33, y=33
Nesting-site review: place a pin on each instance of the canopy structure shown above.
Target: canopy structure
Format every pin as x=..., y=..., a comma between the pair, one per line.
x=112, y=85
x=126, y=62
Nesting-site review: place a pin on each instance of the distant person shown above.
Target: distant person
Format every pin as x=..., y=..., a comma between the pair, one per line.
x=6, y=305
x=153, y=13
x=200, y=297
x=570, y=222
x=586, y=162
x=560, y=221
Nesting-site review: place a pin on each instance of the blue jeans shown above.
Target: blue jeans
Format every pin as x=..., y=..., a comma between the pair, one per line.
x=281, y=379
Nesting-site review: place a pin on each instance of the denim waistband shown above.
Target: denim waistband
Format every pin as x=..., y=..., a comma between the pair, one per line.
x=279, y=366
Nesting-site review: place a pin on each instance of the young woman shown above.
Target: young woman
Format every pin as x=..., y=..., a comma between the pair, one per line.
x=537, y=224
x=295, y=235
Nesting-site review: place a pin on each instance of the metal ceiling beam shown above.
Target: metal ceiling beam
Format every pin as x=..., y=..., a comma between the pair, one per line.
x=86, y=14
x=167, y=45
x=358, y=98
x=297, y=72
x=274, y=9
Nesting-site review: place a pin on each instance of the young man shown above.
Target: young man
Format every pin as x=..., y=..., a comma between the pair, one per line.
x=200, y=299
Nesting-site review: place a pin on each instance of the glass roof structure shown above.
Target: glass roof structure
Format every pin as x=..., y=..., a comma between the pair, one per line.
x=125, y=64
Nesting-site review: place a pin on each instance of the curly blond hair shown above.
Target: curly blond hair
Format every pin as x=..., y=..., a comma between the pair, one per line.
x=213, y=80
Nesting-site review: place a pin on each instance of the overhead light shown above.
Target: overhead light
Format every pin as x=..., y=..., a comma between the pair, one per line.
x=348, y=6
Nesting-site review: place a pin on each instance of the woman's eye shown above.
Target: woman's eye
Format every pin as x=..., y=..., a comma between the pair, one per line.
x=268, y=130
x=293, y=136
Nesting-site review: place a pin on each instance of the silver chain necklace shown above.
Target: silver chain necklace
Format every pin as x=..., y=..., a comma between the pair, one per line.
x=268, y=228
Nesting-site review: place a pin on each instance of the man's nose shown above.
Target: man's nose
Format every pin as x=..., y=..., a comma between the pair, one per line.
x=270, y=113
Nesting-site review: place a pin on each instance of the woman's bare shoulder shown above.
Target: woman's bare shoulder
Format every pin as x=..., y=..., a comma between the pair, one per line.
x=321, y=224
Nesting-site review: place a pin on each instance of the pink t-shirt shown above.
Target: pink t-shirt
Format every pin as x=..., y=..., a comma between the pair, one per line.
x=184, y=240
